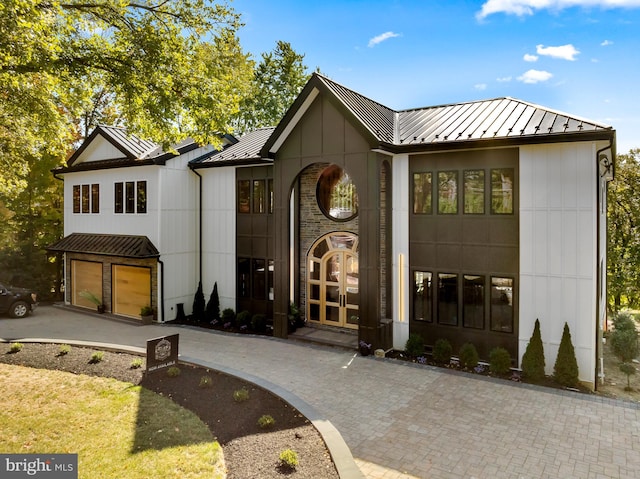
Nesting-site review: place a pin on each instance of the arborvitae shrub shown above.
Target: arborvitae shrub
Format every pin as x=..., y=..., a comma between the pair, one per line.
x=468, y=356
x=414, y=345
x=623, y=321
x=499, y=361
x=442, y=351
x=198, y=304
x=624, y=344
x=213, y=305
x=533, y=358
x=565, y=371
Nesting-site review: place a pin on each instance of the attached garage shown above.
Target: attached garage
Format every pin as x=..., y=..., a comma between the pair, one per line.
x=131, y=286
x=121, y=271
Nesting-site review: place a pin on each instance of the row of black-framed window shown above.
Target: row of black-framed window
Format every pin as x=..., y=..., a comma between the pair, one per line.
x=129, y=197
x=255, y=278
x=436, y=297
x=255, y=196
x=474, y=185
x=86, y=198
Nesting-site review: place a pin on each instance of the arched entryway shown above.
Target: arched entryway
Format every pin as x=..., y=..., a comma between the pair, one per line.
x=333, y=280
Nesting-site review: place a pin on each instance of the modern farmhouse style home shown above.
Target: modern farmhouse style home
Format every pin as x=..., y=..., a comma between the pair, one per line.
x=465, y=222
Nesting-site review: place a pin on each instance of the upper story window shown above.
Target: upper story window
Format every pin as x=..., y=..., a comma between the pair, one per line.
x=86, y=198
x=336, y=194
x=422, y=192
x=474, y=192
x=448, y=192
x=502, y=191
x=255, y=196
x=130, y=197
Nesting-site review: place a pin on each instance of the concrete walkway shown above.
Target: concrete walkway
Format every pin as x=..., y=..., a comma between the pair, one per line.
x=401, y=421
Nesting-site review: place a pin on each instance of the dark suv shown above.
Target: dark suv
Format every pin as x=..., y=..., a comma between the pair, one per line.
x=18, y=302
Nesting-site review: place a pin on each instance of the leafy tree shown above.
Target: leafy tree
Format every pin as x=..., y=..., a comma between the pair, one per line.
x=171, y=70
x=623, y=253
x=278, y=79
x=565, y=371
x=533, y=363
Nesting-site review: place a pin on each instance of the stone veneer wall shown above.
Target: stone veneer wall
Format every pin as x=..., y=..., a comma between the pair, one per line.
x=314, y=223
x=107, y=262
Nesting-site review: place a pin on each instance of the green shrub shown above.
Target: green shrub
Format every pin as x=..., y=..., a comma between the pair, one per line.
x=243, y=320
x=468, y=356
x=289, y=459
x=205, y=382
x=64, y=349
x=442, y=351
x=96, y=357
x=624, y=344
x=228, y=316
x=623, y=321
x=136, y=363
x=199, y=305
x=212, y=311
x=414, y=345
x=628, y=369
x=15, y=347
x=533, y=359
x=499, y=361
x=259, y=323
x=565, y=370
x=173, y=372
x=241, y=395
x=266, y=421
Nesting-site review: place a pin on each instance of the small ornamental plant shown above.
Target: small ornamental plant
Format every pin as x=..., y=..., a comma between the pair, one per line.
x=468, y=356
x=96, y=357
x=533, y=359
x=499, y=361
x=136, y=363
x=289, y=459
x=266, y=421
x=629, y=370
x=565, y=371
x=173, y=372
x=415, y=345
x=442, y=351
x=64, y=350
x=205, y=382
x=15, y=347
x=241, y=395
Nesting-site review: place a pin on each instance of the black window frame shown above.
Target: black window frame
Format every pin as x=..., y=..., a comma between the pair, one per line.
x=471, y=283
x=456, y=203
x=465, y=193
x=426, y=197
x=423, y=297
x=495, y=194
x=444, y=292
x=502, y=297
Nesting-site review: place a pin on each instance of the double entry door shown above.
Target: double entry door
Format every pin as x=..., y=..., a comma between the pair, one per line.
x=332, y=280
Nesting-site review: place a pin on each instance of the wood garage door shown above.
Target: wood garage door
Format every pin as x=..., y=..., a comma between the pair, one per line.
x=86, y=279
x=131, y=287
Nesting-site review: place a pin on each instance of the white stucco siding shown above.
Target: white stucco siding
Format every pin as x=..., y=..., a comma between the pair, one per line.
x=558, y=249
x=402, y=284
x=219, y=233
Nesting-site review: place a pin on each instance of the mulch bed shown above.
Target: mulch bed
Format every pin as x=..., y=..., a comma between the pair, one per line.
x=249, y=450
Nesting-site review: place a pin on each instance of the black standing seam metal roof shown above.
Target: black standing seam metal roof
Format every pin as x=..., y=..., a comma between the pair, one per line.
x=247, y=149
x=131, y=146
x=127, y=246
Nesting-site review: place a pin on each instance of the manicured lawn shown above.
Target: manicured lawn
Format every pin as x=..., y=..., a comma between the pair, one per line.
x=117, y=430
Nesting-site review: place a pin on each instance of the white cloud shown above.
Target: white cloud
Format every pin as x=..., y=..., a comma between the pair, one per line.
x=534, y=76
x=564, y=52
x=381, y=38
x=480, y=86
x=503, y=79
x=529, y=7
x=606, y=43
x=530, y=58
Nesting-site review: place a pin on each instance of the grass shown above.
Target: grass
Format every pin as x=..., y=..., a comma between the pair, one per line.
x=117, y=430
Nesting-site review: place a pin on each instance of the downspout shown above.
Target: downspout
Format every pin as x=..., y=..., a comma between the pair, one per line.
x=599, y=345
x=199, y=223
x=161, y=263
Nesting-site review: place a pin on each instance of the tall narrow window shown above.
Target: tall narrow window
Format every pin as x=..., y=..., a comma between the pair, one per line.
x=76, y=198
x=244, y=281
x=244, y=196
x=85, y=198
x=473, y=301
x=474, y=192
x=259, y=197
x=141, y=197
x=270, y=195
x=118, y=193
x=448, y=192
x=448, y=299
x=95, y=198
x=502, y=191
x=130, y=197
x=259, y=279
x=502, y=304
x=422, y=296
x=422, y=193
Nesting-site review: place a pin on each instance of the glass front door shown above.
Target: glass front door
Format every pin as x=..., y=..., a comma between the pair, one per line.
x=332, y=279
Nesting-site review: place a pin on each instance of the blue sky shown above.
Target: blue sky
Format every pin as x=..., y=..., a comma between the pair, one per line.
x=577, y=56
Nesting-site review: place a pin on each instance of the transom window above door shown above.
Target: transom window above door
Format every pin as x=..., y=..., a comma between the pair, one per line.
x=336, y=194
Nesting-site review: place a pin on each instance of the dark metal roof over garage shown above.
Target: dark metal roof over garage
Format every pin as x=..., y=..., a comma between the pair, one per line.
x=127, y=246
